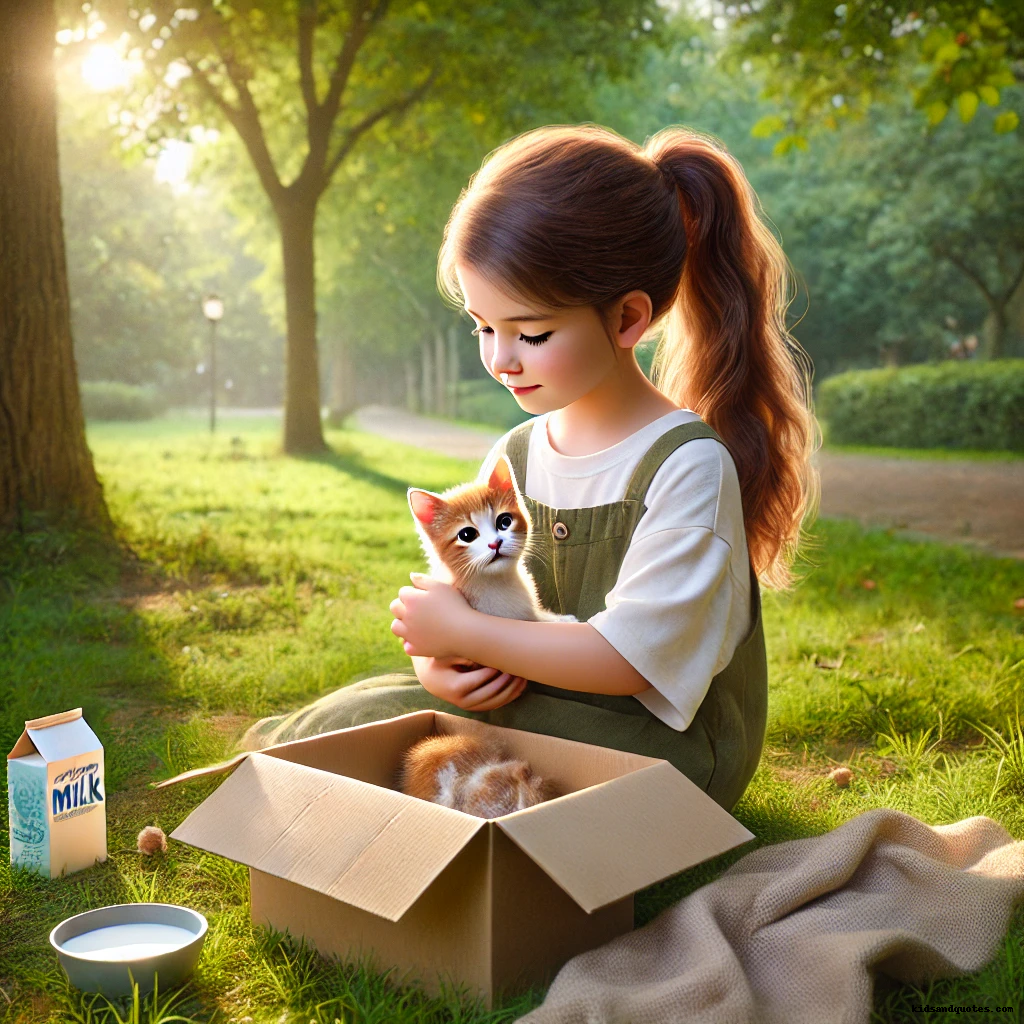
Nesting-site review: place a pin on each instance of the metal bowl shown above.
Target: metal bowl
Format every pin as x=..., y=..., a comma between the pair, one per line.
x=91, y=973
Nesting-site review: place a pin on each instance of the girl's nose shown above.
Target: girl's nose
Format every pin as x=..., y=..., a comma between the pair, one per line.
x=495, y=544
x=503, y=360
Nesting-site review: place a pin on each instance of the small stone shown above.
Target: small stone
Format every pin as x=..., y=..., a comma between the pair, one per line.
x=841, y=776
x=152, y=840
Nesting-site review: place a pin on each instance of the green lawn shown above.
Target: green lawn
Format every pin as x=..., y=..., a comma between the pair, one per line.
x=255, y=582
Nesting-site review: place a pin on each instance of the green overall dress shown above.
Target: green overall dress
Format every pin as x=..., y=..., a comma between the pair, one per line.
x=574, y=558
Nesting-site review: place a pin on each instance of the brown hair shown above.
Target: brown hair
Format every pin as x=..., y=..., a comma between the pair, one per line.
x=577, y=215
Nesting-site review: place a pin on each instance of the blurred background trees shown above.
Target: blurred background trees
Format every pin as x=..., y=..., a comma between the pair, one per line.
x=902, y=227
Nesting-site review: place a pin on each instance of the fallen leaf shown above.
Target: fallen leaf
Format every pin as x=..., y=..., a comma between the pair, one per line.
x=868, y=584
x=919, y=628
x=830, y=663
x=841, y=776
x=1019, y=604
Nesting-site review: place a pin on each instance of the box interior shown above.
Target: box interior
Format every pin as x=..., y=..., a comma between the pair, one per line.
x=374, y=755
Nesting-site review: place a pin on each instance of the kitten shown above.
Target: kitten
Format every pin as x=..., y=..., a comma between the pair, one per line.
x=474, y=536
x=471, y=776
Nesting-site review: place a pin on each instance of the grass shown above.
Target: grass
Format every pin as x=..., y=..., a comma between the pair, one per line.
x=247, y=583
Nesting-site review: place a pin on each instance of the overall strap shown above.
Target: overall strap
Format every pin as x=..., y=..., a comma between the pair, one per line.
x=517, y=448
x=659, y=452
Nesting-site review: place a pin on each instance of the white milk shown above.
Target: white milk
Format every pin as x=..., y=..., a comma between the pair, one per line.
x=128, y=941
x=56, y=796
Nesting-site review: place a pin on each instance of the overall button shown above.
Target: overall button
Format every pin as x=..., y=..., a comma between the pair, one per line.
x=560, y=530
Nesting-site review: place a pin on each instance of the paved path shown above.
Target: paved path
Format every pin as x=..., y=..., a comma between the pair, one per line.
x=976, y=503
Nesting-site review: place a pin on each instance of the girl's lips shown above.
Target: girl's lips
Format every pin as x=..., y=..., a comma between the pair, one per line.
x=524, y=391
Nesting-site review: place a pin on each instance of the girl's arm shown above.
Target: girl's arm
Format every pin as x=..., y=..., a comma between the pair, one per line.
x=572, y=655
x=434, y=620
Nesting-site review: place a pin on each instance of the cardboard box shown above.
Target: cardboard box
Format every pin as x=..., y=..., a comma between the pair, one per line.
x=337, y=855
x=55, y=794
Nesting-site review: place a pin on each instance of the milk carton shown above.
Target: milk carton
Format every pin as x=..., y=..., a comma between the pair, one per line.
x=56, y=796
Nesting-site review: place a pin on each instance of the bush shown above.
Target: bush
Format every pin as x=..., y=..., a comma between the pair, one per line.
x=112, y=400
x=944, y=405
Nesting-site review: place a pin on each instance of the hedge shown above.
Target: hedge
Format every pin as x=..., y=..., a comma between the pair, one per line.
x=943, y=405
x=112, y=400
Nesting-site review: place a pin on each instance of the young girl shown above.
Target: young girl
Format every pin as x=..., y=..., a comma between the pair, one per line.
x=656, y=511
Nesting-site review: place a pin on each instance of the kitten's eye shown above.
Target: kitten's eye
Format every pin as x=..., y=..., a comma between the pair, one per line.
x=504, y=521
x=468, y=533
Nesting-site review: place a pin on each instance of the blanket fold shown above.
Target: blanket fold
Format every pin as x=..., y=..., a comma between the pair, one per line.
x=793, y=933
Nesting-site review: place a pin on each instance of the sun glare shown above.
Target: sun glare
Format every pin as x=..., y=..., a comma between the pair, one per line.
x=173, y=163
x=103, y=69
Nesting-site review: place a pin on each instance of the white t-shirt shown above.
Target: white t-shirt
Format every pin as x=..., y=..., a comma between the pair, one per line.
x=681, y=603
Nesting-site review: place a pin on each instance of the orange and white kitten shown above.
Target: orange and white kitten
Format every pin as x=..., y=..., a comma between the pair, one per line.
x=474, y=536
x=471, y=776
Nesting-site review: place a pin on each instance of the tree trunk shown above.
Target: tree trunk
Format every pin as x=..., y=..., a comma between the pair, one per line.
x=343, y=392
x=426, y=378
x=994, y=331
x=440, y=374
x=303, y=431
x=411, y=402
x=45, y=464
x=453, y=372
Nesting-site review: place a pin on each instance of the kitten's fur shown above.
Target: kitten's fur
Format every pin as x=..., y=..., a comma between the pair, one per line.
x=493, y=579
x=471, y=776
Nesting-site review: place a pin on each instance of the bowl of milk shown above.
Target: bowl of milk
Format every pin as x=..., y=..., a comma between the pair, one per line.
x=108, y=949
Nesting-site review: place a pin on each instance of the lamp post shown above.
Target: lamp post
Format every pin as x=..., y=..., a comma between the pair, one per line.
x=213, y=310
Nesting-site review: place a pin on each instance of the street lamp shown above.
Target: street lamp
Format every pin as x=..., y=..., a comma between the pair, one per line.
x=213, y=310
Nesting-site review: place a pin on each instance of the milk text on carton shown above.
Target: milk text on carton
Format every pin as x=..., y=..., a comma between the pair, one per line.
x=56, y=796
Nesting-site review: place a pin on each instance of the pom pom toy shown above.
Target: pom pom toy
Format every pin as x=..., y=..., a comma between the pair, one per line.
x=152, y=840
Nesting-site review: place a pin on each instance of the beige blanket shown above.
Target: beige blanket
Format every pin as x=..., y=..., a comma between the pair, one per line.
x=792, y=933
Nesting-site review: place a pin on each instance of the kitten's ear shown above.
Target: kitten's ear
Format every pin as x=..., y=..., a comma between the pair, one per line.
x=424, y=504
x=501, y=475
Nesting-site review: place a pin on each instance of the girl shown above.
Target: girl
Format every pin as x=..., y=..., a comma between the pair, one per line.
x=656, y=510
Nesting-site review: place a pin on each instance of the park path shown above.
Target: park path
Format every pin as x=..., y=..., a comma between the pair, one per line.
x=980, y=504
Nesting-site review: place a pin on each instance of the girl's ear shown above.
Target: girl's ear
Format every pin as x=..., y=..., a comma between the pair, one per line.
x=425, y=504
x=501, y=475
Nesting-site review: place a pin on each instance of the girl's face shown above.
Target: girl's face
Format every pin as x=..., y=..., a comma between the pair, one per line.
x=548, y=359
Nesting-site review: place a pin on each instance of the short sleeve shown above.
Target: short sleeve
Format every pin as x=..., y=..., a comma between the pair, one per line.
x=668, y=616
x=681, y=602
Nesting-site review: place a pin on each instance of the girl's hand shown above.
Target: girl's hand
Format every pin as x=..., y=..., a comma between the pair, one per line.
x=430, y=618
x=472, y=689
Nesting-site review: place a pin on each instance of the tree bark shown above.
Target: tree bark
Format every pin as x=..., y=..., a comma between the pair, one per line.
x=426, y=378
x=45, y=464
x=303, y=431
x=453, y=372
x=440, y=374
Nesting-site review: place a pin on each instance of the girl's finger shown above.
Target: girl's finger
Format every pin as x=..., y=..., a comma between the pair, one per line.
x=469, y=680
x=396, y=608
x=398, y=628
x=472, y=697
x=506, y=696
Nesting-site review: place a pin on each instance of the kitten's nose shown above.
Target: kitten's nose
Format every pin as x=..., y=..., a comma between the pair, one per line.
x=495, y=544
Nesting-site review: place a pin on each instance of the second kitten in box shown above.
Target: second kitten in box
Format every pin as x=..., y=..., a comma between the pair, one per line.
x=472, y=776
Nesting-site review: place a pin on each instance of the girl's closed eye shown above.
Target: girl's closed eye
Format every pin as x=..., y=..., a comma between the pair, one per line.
x=537, y=340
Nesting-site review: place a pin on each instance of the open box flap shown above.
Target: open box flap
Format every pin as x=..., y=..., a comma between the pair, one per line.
x=603, y=843
x=373, y=848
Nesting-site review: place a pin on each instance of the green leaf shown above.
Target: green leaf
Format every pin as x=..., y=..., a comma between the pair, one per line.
x=989, y=94
x=783, y=146
x=768, y=126
x=800, y=141
x=936, y=111
x=1002, y=77
x=947, y=54
x=1006, y=121
x=967, y=105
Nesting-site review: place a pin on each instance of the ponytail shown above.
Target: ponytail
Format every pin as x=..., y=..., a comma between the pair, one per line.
x=578, y=215
x=725, y=352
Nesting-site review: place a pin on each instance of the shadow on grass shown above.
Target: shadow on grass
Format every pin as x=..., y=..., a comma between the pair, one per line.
x=354, y=464
x=67, y=640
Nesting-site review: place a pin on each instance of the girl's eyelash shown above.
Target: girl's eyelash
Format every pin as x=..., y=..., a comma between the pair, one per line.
x=537, y=340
